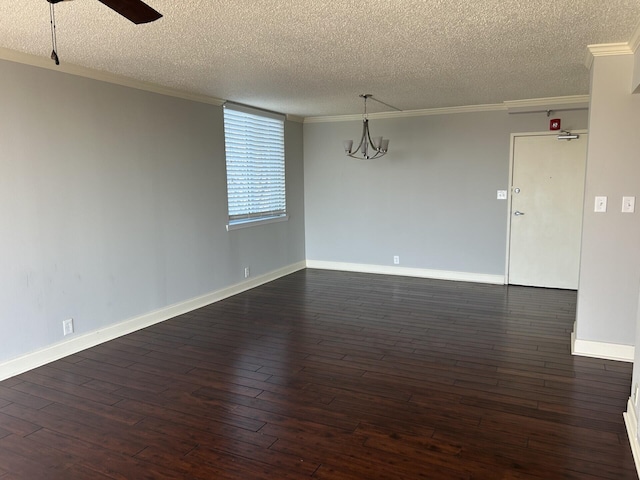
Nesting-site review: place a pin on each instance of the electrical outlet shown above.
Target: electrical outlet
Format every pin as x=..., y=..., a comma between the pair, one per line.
x=247, y=272
x=396, y=260
x=67, y=326
x=502, y=195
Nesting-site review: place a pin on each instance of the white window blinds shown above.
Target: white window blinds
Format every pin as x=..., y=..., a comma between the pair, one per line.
x=254, y=146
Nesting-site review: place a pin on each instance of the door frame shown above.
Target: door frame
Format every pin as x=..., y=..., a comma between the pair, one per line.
x=512, y=144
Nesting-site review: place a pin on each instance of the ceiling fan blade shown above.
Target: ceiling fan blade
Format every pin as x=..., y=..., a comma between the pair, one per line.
x=135, y=10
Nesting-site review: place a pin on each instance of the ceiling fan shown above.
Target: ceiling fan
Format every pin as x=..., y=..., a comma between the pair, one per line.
x=134, y=10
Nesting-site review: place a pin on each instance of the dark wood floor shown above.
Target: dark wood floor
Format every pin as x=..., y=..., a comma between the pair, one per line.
x=330, y=375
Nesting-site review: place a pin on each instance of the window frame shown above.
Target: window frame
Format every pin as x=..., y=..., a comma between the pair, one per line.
x=253, y=126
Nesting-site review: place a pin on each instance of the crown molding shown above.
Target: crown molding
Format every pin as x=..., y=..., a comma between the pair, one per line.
x=570, y=102
x=634, y=43
x=605, y=50
x=294, y=118
x=512, y=106
x=409, y=113
x=42, y=62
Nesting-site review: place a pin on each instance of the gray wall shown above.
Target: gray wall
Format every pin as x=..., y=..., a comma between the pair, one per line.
x=610, y=261
x=431, y=200
x=113, y=204
x=608, y=299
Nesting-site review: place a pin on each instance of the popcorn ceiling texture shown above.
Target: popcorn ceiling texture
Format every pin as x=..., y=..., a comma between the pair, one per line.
x=311, y=58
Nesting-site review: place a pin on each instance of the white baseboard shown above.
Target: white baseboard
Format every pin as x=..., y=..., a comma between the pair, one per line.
x=76, y=344
x=407, y=272
x=631, y=422
x=607, y=351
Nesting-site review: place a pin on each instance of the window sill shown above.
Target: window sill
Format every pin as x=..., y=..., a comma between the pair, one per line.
x=252, y=222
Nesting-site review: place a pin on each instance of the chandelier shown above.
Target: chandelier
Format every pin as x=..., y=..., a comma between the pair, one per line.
x=368, y=148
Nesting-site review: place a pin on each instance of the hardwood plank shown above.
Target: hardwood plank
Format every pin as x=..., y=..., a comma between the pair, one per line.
x=19, y=426
x=108, y=437
x=104, y=461
x=62, y=392
x=167, y=420
x=16, y=455
x=273, y=463
x=184, y=402
x=188, y=467
x=15, y=396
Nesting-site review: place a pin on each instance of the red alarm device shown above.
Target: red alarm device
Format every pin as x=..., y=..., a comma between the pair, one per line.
x=554, y=124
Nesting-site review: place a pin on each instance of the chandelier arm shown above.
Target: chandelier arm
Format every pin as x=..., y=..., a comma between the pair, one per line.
x=378, y=154
x=377, y=149
x=362, y=157
x=362, y=139
x=365, y=143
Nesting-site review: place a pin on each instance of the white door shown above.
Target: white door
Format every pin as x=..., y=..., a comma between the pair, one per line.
x=547, y=192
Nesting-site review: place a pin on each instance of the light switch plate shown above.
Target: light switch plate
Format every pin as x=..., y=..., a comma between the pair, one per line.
x=628, y=204
x=601, y=205
x=502, y=194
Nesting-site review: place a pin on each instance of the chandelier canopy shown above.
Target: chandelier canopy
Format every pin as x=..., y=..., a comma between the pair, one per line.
x=368, y=148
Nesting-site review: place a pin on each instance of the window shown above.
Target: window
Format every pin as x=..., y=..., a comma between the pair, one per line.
x=254, y=147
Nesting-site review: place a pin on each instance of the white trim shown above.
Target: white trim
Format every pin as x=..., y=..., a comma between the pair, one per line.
x=634, y=43
x=509, y=192
x=409, y=113
x=513, y=106
x=295, y=118
x=249, y=110
x=407, y=272
x=45, y=62
x=631, y=422
x=605, y=50
x=570, y=102
x=75, y=344
x=606, y=351
x=254, y=222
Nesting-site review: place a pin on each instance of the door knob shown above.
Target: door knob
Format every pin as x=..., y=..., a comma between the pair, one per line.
x=517, y=213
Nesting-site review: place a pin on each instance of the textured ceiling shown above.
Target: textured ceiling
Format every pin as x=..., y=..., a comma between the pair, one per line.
x=312, y=58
